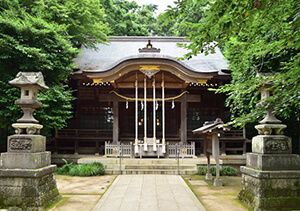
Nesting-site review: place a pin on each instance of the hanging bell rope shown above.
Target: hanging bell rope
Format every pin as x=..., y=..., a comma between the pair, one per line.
x=149, y=99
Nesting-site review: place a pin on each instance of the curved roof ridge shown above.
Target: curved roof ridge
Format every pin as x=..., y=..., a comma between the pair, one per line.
x=147, y=56
x=146, y=38
x=105, y=56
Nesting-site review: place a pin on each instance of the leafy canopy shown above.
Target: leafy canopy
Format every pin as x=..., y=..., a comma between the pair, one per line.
x=44, y=35
x=128, y=18
x=260, y=36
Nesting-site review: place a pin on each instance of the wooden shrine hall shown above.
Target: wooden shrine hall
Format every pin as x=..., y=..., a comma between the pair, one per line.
x=136, y=91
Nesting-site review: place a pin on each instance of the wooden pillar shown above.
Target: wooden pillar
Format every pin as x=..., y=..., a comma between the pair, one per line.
x=183, y=118
x=163, y=114
x=115, y=121
x=154, y=114
x=76, y=147
x=208, y=175
x=223, y=149
x=145, y=114
x=136, y=116
x=204, y=145
x=97, y=148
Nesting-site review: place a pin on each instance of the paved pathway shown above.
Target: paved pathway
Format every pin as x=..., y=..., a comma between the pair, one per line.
x=149, y=192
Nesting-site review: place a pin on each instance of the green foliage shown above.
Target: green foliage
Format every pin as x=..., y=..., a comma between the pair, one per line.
x=224, y=171
x=260, y=36
x=84, y=20
x=82, y=170
x=128, y=18
x=55, y=118
x=177, y=20
x=45, y=35
x=8, y=109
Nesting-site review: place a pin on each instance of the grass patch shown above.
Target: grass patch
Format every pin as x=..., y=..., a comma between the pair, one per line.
x=82, y=170
x=225, y=195
x=224, y=170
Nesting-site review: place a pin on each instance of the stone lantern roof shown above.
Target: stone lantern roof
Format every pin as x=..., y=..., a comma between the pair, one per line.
x=29, y=79
x=211, y=126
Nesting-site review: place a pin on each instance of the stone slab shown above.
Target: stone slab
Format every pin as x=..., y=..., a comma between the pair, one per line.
x=27, y=172
x=148, y=192
x=17, y=160
x=26, y=143
x=273, y=161
x=279, y=174
x=271, y=144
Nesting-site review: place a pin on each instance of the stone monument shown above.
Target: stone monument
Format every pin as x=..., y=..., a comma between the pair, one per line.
x=271, y=177
x=26, y=173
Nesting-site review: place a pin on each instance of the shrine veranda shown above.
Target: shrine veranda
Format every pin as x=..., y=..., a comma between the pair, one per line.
x=136, y=92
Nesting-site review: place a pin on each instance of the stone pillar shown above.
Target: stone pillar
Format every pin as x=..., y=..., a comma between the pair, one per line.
x=271, y=177
x=26, y=174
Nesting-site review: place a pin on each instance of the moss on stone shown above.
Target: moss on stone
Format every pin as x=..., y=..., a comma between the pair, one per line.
x=280, y=203
x=246, y=196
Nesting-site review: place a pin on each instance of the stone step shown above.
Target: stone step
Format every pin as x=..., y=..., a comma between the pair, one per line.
x=137, y=161
x=161, y=167
x=150, y=171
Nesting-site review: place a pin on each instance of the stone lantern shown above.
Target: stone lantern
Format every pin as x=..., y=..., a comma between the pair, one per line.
x=26, y=173
x=271, y=177
x=30, y=83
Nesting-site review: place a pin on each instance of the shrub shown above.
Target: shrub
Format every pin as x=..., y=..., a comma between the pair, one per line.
x=224, y=170
x=83, y=170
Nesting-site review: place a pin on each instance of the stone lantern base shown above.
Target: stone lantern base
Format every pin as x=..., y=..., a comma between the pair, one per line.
x=271, y=177
x=26, y=174
x=22, y=189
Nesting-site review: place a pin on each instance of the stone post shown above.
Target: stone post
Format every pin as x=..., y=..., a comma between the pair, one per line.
x=271, y=177
x=26, y=173
x=216, y=155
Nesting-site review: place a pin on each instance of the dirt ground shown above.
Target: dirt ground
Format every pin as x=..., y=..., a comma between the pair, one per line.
x=217, y=198
x=81, y=193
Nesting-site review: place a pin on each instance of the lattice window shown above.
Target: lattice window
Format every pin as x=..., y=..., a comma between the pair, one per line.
x=100, y=117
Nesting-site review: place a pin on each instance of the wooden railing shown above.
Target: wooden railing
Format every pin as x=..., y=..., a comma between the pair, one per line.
x=181, y=150
x=117, y=150
x=233, y=141
x=81, y=141
x=84, y=133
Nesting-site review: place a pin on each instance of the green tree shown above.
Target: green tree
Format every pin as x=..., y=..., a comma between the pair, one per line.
x=260, y=36
x=177, y=20
x=128, y=18
x=45, y=36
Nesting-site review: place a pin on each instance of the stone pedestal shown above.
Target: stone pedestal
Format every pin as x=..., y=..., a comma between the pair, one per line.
x=28, y=189
x=271, y=177
x=26, y=174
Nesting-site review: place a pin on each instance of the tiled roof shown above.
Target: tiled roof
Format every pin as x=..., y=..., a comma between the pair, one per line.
x=105, y=56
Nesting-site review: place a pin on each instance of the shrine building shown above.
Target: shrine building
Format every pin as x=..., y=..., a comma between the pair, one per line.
x=141, y=93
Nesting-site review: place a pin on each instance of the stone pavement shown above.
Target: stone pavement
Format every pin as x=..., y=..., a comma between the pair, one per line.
x=149, y=192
